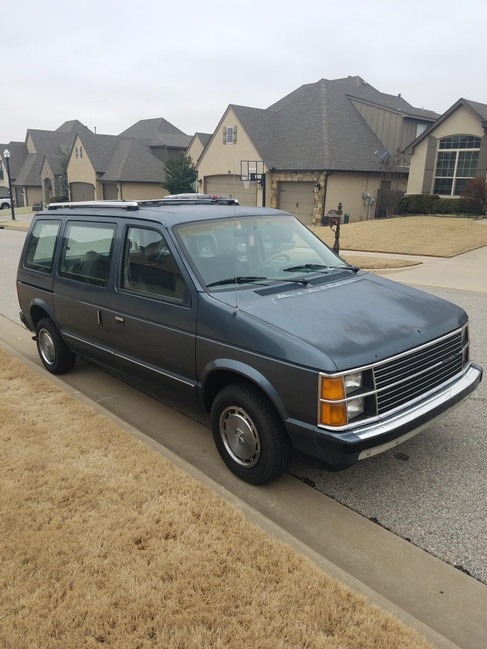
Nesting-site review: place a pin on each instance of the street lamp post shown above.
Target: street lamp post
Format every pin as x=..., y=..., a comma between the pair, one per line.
x=6, y=155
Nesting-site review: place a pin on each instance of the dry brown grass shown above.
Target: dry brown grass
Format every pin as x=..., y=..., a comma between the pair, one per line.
x=413, y=235
x=104, y=542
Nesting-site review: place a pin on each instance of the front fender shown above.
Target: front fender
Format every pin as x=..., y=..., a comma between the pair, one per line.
x=222, y=371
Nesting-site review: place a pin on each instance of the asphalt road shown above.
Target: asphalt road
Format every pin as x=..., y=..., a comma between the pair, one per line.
x=431, y=490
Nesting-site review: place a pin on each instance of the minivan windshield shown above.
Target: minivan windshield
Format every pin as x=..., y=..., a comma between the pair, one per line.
x=252, y=249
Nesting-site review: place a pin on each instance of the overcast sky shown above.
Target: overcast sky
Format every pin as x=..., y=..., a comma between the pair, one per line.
x=111, y=63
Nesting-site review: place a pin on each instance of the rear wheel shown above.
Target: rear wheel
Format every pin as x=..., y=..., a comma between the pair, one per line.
x=249, y=434
x=55, y=355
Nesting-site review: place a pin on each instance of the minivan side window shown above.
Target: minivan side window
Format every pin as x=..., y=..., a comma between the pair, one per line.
x=86, y=252
x=149, y=266
x=42, y=243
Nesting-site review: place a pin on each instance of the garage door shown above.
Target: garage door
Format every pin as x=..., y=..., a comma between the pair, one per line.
x=299, y=199
x=232, y=186
x=82, y=192
x=110, y=191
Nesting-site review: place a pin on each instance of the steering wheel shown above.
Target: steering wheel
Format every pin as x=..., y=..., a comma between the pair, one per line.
x=265, y=265
x=278, y=256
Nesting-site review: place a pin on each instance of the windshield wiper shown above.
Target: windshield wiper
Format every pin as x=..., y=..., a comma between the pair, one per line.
x=306, y=267
x=252, y=278
x=310, y=268
x=354, y=269
x=237, y=280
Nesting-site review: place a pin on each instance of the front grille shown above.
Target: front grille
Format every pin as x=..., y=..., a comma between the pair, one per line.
x=411, y=375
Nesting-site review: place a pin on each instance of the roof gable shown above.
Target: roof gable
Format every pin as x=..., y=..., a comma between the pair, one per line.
x=477, y=108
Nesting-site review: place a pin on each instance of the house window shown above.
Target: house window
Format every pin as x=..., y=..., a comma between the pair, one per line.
x=79, y=152
x=420, y=129
x=229, y=134
x=456, y=162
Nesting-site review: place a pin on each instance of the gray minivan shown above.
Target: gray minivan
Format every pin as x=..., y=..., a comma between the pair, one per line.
x=249, y=314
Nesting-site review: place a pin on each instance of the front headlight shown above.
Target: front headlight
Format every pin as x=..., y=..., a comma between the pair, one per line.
x=353, y=382
x=336, y=407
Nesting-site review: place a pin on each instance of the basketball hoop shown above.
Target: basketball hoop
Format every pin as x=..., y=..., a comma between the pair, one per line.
x=251, y=170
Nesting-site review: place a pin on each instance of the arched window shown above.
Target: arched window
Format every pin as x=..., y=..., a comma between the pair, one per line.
x=456, y=162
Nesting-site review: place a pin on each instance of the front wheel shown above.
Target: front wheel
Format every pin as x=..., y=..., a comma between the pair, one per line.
x=55, y=355
x=249, y=435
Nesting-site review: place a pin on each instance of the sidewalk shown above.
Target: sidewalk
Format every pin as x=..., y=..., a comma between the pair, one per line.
x=467, y=272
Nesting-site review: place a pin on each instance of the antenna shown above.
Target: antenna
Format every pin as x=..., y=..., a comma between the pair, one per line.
x=235, y=241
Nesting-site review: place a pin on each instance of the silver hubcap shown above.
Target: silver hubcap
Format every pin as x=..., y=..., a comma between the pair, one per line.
x=240, y=436
x=46, y=347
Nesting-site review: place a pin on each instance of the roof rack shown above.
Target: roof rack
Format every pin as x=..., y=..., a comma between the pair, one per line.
x=128, y=205
x=190, y=201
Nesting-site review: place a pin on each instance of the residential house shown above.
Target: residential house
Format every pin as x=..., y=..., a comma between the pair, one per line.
x=18, y=154
x=38, y=165
x=323, y=144
x=75, y=161
x=197, y=145
x=450, y=152
x=126, y=166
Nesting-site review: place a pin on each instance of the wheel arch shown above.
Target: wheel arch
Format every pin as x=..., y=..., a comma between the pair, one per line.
x=40, y=309
x=224, y=372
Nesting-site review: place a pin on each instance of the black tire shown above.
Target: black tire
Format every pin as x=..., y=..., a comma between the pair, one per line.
x=56, y=357
x=4, y=206
x=249, y=434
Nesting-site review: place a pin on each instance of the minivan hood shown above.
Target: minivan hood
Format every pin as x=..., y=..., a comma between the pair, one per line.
x=354, y=321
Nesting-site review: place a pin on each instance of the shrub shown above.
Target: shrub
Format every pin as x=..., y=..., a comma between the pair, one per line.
x=59, y=199
x=448, y=206
x=474, y=196
x=417, y=204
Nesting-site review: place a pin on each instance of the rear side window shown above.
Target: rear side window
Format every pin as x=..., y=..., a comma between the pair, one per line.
x=41, y=246
x=86, y=252
x=149, y=266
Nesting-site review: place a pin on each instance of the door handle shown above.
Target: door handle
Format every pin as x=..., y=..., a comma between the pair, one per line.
x=119, y=319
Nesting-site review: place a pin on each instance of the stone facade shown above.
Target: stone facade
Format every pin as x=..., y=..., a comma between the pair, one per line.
x=318, y=178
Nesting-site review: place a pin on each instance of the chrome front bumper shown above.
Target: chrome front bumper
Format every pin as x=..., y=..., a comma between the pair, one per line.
x=399, y=427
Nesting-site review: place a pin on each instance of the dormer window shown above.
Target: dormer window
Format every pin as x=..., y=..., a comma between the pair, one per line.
x=229, y=134
x=420, y=129
x=79, y=152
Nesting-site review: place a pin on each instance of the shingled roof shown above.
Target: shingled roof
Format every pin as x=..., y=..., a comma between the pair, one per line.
x=317, y=127
x=18, y=155
x=132, y=162
x=158, y=132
